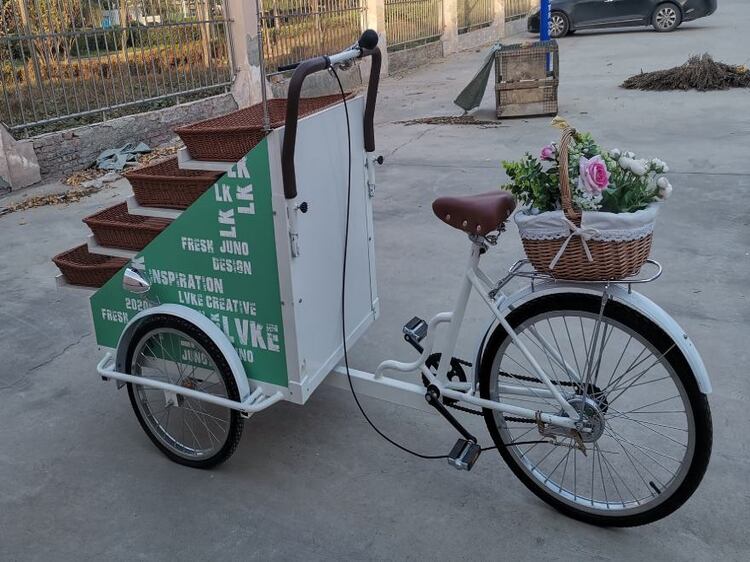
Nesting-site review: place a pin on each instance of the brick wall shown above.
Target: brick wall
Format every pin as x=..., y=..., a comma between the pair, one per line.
x=62, y=152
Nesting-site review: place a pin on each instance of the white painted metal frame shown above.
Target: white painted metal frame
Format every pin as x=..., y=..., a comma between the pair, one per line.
x=474, y=280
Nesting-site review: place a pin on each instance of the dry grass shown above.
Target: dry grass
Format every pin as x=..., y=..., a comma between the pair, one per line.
x=700, y=72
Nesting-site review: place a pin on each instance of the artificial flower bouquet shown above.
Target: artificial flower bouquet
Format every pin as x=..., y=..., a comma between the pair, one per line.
x=588, y=212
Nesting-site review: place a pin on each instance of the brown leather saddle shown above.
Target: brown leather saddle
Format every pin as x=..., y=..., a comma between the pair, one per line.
x=475, y=214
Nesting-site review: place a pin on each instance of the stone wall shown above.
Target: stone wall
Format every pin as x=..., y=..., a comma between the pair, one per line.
x=62, y=152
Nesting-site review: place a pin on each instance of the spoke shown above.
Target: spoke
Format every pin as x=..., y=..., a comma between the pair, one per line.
x=203, y=412
x=572, y=347
x=562, y=357
x=651, y=404
x=605, y=341
x=645, y=451
x=540, y=461
x=636, y=377
x=565, y=469
x=610, y=468
x=617, y=365
x=534, y=390
x=556, y=467
x=186, y=423
x=644, y=424
x=598, y=455
x=632, y=366
x=198, y=416
x=632, y=459
x=560, y=361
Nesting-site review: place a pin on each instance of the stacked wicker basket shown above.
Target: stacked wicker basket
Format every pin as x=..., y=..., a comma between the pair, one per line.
x=165, y=185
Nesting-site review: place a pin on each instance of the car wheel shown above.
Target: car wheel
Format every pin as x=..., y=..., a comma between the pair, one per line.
x=667, y=17
x=559, y=26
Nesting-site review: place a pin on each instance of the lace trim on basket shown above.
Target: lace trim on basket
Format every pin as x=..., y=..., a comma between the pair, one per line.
x=624, y=235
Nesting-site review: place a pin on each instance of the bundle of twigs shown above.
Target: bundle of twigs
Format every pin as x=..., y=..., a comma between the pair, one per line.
x=700, y=72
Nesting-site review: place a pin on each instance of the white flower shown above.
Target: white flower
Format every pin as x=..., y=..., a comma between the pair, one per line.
x=628, y=154
x=665, y=188
x=625, y=163
x=664, y=167
x=615, y=153
x=638, y=167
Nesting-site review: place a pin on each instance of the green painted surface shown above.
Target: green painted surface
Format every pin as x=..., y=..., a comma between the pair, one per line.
x=219, y=258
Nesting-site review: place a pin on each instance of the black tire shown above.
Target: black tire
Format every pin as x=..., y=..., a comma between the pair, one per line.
x=234, y=433
x=657, y=337
x=666, y=17
x=559, y=25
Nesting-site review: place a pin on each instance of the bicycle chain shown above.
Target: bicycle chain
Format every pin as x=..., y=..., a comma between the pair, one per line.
x=515, y=419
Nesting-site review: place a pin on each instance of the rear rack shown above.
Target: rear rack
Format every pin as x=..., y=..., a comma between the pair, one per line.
x=523, y=268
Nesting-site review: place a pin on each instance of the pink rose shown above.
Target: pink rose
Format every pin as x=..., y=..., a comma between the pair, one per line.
x=594, y=176
x=548, y=153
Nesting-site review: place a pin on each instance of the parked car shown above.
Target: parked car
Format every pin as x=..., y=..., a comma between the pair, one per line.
x=569, y=16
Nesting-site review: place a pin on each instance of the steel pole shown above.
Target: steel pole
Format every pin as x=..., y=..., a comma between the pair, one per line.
x=544, y=14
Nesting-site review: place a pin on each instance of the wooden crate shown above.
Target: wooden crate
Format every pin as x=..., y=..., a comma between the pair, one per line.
x=526, y=79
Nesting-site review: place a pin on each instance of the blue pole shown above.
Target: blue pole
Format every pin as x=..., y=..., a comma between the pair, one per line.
x=544, y=14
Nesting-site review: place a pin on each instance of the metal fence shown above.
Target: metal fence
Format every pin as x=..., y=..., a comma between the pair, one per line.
x=409, y=23
x=66, y=62
x=517, y=9
x=474, y=14
x=294, y=30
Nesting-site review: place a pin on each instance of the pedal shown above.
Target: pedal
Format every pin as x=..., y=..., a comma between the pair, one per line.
x=415, y=331
x=464, y=454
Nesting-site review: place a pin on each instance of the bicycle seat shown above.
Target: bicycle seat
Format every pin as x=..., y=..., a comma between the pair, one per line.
x=475, y=214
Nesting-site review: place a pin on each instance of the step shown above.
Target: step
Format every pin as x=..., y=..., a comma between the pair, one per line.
x=96, y=248
x=135, y=208
x=187, y=162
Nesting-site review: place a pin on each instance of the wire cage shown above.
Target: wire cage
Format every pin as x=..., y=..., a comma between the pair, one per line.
x=526, y=79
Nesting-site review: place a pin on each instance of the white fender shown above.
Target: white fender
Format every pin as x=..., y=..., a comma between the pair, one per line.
x=198, y=320
x=636, y=301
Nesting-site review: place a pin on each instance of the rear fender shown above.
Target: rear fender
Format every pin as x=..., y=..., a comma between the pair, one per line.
x=636, y=301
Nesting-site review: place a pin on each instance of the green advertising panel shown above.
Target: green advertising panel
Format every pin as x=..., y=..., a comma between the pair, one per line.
x=219, y=258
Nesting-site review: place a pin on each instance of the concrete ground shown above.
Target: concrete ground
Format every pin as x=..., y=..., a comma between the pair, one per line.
x=80, y=480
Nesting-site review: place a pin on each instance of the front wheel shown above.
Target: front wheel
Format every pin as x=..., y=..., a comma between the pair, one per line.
x=648, y=427
x=188, y=431
x=666, y=17
x=559, y=25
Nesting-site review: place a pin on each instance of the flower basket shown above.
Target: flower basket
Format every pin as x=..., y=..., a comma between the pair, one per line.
x=116, y=228
x=83, y=268
x=585, y=245
x=166, y=185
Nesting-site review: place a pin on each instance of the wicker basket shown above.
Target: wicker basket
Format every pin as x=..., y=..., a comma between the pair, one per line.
x=229, y=137
x=83, y=268
x=586, y=254
x=116, y=228
x=166, y=185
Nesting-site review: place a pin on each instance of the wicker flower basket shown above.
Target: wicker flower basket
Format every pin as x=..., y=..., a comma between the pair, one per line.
x=585, y=245
x=83, y=268
x=116, y=228
x=229, y=137
x=166, y=185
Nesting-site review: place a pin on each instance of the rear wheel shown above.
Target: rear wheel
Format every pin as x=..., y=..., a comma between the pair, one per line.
x=666, y=17
x=188, y=431
x=649, y=435
x=559, y=25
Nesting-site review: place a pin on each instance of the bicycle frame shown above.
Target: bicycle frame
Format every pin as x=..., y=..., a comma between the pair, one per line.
x=477, y=281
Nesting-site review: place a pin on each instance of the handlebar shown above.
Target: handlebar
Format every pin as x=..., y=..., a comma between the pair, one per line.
x=366, y=47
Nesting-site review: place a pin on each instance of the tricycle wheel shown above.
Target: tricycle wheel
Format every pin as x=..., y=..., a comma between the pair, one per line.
x=188, y=431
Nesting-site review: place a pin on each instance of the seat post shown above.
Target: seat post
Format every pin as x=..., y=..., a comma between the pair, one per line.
x=478, y=247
